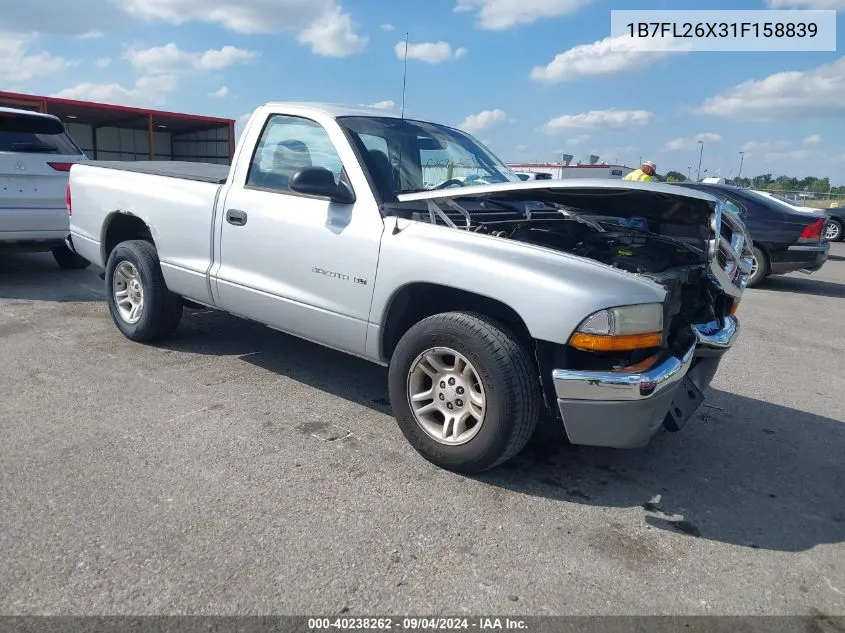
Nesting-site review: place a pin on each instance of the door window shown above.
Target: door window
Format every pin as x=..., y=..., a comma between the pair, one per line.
x=289, y=144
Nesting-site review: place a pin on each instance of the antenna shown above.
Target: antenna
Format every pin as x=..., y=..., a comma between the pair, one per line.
x=404, y=77
x=402, y=119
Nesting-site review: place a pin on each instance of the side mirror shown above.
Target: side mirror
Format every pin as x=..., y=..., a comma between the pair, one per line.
x=319, y=182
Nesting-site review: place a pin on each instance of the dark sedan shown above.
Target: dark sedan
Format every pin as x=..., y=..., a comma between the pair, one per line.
x=785, y=239
x=835, y=224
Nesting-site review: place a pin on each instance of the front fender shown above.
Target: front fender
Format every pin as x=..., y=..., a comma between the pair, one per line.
x=552, y=292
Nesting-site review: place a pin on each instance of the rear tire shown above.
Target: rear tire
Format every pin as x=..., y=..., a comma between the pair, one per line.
x=506, y=390
x=68, y=260
x=133, y=278
x=833, y=231
x=760, y=267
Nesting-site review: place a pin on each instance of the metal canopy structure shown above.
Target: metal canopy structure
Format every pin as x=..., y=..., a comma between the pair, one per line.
x=113, y=132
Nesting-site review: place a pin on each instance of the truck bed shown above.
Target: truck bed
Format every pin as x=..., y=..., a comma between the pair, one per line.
x=200, y=172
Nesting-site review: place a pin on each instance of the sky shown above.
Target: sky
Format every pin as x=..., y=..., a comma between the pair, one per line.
x=533, y=79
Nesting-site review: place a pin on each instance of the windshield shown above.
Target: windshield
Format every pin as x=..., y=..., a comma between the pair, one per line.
x=403, y=156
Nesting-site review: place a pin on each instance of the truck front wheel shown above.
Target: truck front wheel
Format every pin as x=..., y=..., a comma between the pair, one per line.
x=140, y=304
x=464, y=391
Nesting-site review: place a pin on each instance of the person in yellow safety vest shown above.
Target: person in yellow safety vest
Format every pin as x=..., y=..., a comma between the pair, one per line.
x=645, y=173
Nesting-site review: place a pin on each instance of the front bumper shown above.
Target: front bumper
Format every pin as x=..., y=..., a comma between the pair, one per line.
x=623, y=410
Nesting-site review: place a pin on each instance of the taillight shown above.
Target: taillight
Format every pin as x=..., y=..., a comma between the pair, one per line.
x=67, y=201
x=813, y=232
x=61, y=166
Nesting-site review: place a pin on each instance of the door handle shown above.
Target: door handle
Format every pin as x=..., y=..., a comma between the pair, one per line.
x=236, y=217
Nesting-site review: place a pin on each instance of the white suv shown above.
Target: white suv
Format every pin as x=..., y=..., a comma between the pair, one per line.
x=36, y=154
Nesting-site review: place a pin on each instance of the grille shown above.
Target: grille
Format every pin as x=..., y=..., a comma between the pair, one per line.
x=730, y=252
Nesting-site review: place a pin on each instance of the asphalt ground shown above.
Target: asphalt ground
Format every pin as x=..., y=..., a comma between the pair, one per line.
x=238, y=470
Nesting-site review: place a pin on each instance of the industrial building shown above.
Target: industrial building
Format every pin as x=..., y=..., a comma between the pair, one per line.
x=112, y=132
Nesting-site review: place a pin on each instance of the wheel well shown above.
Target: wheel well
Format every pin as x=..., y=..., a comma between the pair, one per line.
x=417, y=301
x=121, y=227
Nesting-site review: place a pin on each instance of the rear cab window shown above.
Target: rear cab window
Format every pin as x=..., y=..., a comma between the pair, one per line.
x=33, y=134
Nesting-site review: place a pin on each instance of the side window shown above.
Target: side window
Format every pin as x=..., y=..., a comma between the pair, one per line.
x=735, y=207
x=287, y=145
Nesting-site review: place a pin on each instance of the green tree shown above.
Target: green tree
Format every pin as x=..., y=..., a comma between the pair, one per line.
x=675, y=176
x=822, y=185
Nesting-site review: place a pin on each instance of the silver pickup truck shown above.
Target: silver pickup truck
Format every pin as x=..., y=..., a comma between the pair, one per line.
x=493, y=301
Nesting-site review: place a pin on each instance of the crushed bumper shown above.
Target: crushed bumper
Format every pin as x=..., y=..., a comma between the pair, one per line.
x=623, y=410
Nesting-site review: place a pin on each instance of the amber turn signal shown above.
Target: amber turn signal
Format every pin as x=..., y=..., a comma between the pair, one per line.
x=734, y=307
x=608, y=343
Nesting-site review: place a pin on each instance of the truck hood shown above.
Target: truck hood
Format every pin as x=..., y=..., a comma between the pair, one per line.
x=617, y=198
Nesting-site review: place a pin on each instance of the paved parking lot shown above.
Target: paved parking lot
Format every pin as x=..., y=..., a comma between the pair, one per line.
x=235, y=469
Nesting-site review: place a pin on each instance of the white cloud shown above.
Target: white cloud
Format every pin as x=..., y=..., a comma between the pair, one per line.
x=818, y=92
x=317, y=22
x=814, y=139
x=497, y=15
x=599, y=118
x=483, y=120
x=85, y=18
x=429, y=52
x=386, y=27
x=221, y=92
x=170, y=58
x=765, y=146
x=103, y=62
x=333, y=35
x=807, y=4
x=92, y=35
x=148, y=90
x=381, y=105
x=692, y=142
x=19, y=64
x=609, y=56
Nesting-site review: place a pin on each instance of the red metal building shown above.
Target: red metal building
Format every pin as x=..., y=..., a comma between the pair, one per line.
x=112, y=132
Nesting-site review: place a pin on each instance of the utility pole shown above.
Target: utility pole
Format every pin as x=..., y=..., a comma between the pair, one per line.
x=741, y=158
x=700, y=156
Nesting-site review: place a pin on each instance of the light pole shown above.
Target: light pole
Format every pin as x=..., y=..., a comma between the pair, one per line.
x=700, y=156
x=741, y=158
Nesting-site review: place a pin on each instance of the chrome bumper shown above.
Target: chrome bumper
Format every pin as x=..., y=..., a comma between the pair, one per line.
x=624, y=410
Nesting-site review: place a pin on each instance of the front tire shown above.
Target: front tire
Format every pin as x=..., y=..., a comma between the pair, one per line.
x=142, y=307
x=833, y=232
x=68, y=260
x=464, y=391
x=759, y=267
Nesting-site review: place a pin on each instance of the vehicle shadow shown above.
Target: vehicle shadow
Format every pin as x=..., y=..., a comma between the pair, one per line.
x=36, y=277
x=743, y=471
x=837, y=258
x=816, y=287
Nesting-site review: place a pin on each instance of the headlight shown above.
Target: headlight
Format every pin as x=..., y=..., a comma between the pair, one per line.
x=621, y=329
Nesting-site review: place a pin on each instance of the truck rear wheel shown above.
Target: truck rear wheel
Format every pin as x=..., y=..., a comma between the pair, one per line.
x=140, y=304
x=464, y=391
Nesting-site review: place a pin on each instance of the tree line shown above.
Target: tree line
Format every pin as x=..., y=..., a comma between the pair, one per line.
x=767, y=183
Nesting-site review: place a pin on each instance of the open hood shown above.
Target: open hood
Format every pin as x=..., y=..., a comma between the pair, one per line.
x=616, y=198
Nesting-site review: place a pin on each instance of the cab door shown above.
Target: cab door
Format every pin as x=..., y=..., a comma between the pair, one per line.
x=301, y=264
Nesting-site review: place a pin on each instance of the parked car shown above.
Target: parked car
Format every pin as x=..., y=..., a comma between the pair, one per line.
x=785, y=239
x=835, y=222
x=533, y=175
x=490, y=303
x=36, y=154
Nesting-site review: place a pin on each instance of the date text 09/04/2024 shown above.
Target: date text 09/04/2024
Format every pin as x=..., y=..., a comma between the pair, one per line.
x=417, y=624
x=689, y=30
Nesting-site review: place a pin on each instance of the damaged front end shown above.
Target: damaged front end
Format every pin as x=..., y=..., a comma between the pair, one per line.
x=697, y=250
